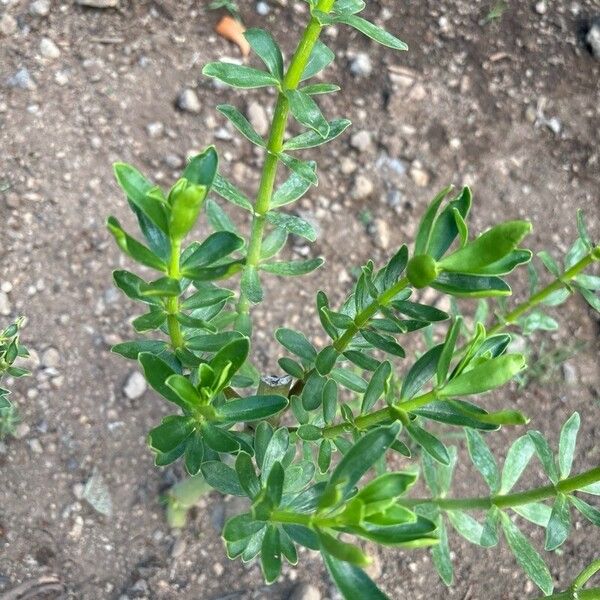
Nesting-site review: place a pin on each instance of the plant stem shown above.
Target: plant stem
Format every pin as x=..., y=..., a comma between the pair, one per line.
x=173, y=303
x=543, y=294
x=275, y=143
x=589, y=594
x=566, y=486
x=386, y=415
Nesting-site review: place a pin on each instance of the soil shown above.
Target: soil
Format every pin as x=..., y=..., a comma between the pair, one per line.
x=510, y=106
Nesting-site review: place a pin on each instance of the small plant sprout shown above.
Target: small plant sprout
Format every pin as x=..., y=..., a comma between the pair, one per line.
x=10, y=350
x=310, y=449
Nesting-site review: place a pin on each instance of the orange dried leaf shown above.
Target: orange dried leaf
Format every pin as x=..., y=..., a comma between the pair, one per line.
x=231, y=29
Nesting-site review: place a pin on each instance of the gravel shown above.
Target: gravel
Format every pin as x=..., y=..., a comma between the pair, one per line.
x=135, y=386
x=188, y=101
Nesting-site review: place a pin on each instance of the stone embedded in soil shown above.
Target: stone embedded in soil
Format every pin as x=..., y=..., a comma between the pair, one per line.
x=135, y=386
x=48, y=49
x=257, y=115
x=5, y=307
x=380, y=233
x=22, y=79
x=363, y=188
x=40, y=8
x=362, y=141
x=155, y=129
x=305, y=591
x=8, y=24
x=188, y=101
x=418, y=174
x=361, y=65
x=50, y=358
x=593, y=39
x=98, y=3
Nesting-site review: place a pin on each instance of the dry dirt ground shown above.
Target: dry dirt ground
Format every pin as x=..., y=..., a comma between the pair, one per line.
x=510, y=106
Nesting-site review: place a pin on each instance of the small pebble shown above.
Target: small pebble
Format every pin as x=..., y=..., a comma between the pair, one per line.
x=419, y=175
x=135, y=386
x=155, y=129
x=362, y=141
x=263, y=9
x=361, y=65
x=188, y=101
x=40, y=8
x=305, y=591
x=363, y=188
x=541, y=7
x=48, y=49
x=8, y=24
x=593, y=39
x=50, y=358
x=257, y=115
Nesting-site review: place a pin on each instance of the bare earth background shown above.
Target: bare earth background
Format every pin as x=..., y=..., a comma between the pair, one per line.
x=510, y=107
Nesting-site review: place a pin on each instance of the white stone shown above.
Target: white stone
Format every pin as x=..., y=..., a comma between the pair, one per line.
x=135, y=386
x=361, y=65
x=50, y=358
x=188, y=101
x=363, y=188
x=257, y=115
x=593, y=39
x=48, y=49
x=5, y=307
x=8, y=24
x=362, y=141
x=419, y=175
x=40, y=8
x=305, y=591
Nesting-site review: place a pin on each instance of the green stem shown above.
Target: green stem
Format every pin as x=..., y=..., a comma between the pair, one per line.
x=386, y=415
x=543, y=294
x=566, y=486
x=275, y=144
x=173, y=303
x=586, y=574
x=589, y=594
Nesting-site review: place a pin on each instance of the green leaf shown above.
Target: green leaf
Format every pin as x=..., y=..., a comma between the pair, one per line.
x=165, y=287
x=222, y=477
x=372, y=31
x=219, y=439
x=218, y=218
x=307, y=112
x=266, y=48
x=426, y=226
x=432, y=445
x=202, y=168
x=545, y=455
x=240, y=527
x=535, y=512
x=362, y=456
x=445, y=228
x=270, y=554
x=559, y=525
x=312, y=139
x=326, y=360
x=312, y=394
x=207, y=295
x=131, y=285
x=212, y=342
x=194, y=453
x=297, y=344
x=133, y=349
x=309, y=433
x=567, y=443
x=291, y=367
x=184, y=388
x=507, y=264
x=231, y=193
x=487, y=376
x=251, y=408
x=466, y=526
x=537, y=321
x=247, y=475
x=422, y=312
x=349, y=379
x=294, y=268
x=250, y=284
x=172, y=432
x=471, y=286
x=421, y=372
x=231, y=357
x=584, y=236
x=387, y=486
x=593, y=488
x=136, y=187
x=305, y=170
x=292, y=224
x=591, y=513
x=214, y=248
x=330, y=401
x=273, y=243
x=133, y=248
x=352, y=582
x=377, y=386
x=341, y=550
x=456, y=412
x=239, y=76
x=275, y=451
x=292, y=189
x=149, y=321
x=517, y=458
x=438, y=477
x=441, y=555
x=383, y=342
x=320, y=88
x=483, y=459
x=239, y=121
x=527, y=556
x=447, y=353
x=324, y=456
x=320, y=57
x=348, y=6
x=157, y=372
x=487, y=249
